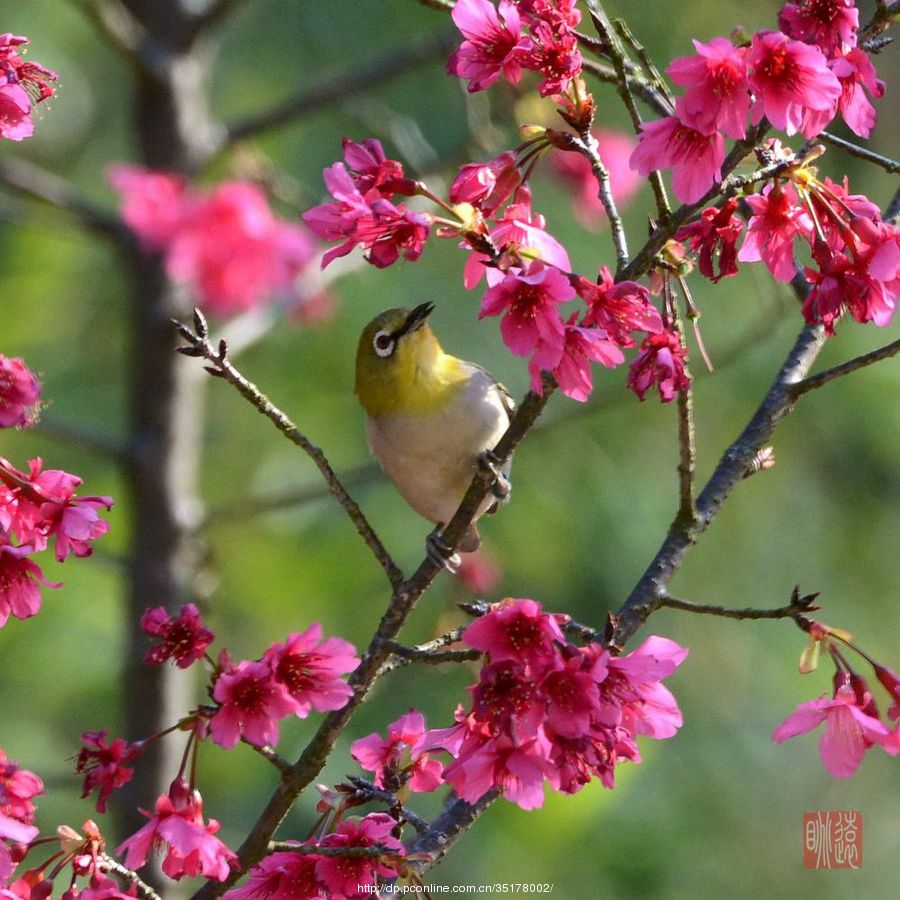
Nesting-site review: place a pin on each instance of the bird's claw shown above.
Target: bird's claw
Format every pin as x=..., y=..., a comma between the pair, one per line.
x=489, y=462
x=440, y=553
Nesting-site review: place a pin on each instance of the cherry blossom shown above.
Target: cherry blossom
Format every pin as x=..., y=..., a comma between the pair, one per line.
x=714, y=235
x=20, y=393
x=660, y=362
x=619, y=308
x=830, y=24
x=103, y=764
x=183, y=638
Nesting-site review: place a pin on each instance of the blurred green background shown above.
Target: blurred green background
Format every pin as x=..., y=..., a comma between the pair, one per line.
x=714, y=812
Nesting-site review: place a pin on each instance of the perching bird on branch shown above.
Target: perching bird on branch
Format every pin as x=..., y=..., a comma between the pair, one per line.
x=431, y=419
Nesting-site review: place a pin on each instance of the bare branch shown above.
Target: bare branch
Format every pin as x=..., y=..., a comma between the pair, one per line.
x=38, y=184
x=108, y=864
x=853, y=365
x=200, y=346
x=395, y=62
x=365, y=790
x=798, y=606
x=889, y=165
x=636, y=85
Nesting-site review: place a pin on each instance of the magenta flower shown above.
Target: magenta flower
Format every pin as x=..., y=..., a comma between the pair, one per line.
x=615, y=150
x=183, y=638
x=251, y=703
x=154, y=204
x=695, y=158
x=390, y=232
x=103, y=764
x=554, y=53
x=347, y=876
x=790, y=78
x=777, y=219
x=23, y=84
x=714, y=235
x=493, y=44
x=717, y=96
x=310, y=672
x=371, y=170
x=20, y=393
x=177, y=826
x=281, y=876
x=830, y=24
x=619, y=308
x=529, y=301
x=18, y=788
x=857, y=75
x=572, y=368
x=20, y=595
x=398, y=759
x=520, y=231
x=849, y=731
x=486, y=185
x=517, y=630
x=660, y=362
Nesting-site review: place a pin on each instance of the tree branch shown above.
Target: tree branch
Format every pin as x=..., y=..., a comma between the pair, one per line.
x=860, y=362
x=373, y=72
x=200, y=346
x=889, y=165
x=38, y=184
x=143, y=889
x=798, y=606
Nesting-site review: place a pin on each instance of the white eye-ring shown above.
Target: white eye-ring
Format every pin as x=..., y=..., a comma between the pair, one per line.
x=383, y=344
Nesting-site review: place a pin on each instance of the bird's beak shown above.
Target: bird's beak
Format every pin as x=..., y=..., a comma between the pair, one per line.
x=416, y=319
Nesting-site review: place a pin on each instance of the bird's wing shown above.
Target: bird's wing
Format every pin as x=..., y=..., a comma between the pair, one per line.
x=506, y=398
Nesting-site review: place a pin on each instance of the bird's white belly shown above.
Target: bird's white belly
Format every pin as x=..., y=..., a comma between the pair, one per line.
x=431, y=457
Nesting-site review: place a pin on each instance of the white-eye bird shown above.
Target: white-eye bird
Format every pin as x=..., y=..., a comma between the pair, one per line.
x=430, y=419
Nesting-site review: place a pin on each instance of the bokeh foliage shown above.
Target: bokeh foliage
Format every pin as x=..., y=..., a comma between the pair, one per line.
x=714, y=812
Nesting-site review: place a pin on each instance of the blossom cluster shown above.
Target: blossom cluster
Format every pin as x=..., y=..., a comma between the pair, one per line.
x=18, y=788
x=518, y=34
x=851, y=716
x=855, y=253
x=23, y=84
x=546, y=711
x=311, y=876
x=798, y=78
x=20, y=393
x=36, y=507
x=226, y=244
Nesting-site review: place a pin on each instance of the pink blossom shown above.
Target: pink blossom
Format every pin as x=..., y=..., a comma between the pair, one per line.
x=573, y=701
x=516, y=630
x=282, y=876
x=371, y=170
x=529, y=302
x=661, y=362
x=694, y=157
x=789, y=78
x=154, y=204
x=390, y=232
x=23, y=84
x=486, y=185
x=517, y=230
x=504, y=701
x=849, y=732
x=493, y=44
x=715, y=234
x=18, y=788
x=251, y=702
x=554, y=53
x=615, y=150
x=717, y=96
x=398, y=759
x=830, y=24
x=857, y=75
x=310, y=672
x=183, y=638
x=20, y=595
x=234, y=252
x=555, y=12
x=619, y=308
x=177, y=825
x=102, y=887
x=20, y=393
x=777, y=219
x=348, y=876
x=572, y=368
x=103, y=764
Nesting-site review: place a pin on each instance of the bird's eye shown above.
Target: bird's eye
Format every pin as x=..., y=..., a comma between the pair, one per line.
x=383, y=344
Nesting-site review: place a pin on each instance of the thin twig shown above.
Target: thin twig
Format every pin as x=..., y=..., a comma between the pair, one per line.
x=270, y=755
x=34, y=182
x=373, y=851
x=368, y=791
x=403, y=656
x=782, y=612
x=687, y=449
x=143, y=889
x=636, y=85
x=860, y=362
x=647, y=64
x=889, y=165
x=347, y=84
x=200, y=345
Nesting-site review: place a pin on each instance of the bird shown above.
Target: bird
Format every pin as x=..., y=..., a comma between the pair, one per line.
x=431, y=420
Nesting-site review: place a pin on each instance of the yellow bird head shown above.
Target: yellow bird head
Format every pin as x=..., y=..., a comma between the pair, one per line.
x=400, y=365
